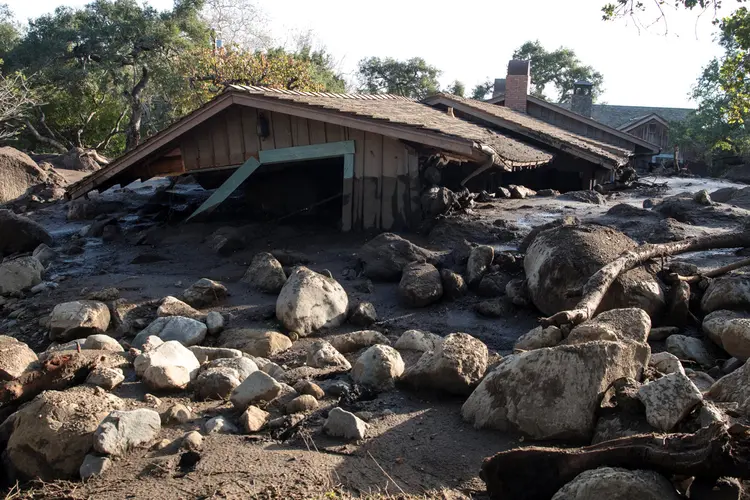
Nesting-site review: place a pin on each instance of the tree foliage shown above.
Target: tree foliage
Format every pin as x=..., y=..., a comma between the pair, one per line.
x=559, y=69
x=457, y=88
x=412, y=78
x=483, y=90
x=238, y=22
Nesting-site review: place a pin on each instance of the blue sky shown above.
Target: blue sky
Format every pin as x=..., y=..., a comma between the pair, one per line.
x=473, y=40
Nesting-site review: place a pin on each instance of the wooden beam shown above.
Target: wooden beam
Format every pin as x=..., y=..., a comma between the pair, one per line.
x=302, y=153
x=234, y=181
x=346, y=202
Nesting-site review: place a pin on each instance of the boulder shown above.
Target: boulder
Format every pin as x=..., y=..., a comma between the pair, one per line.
x=242, y=366
x=123, y=431
x=564, y=258
x=517, y=292
x=520, y=192
x=565, y=381
x=480, y=260
x=19, y=174
x=385, y=256
x=205, y=293
x=587, y=196
x=456, y=366
x=310, y=388
x=732, y=292
x=322, y=354
x=668, y=400
x=302, y=404
x=493, y=284
x=44, y=254
x=265, y=273
x=616, y=324
x=94, y=465
x=436, y=200
x=263, y=343
x=454, y=285
x=733, y=388
x=177, y=414
x=417, y=340
x=53, y=433
x=20, y=274
x=354, y=341
x=186, y=331
x=310, y=301
x=192, y=441
x=618, y=484
x=169, y=366
x=102, y=342
x=539, y=338
x=15, y=358
x=341, y=423
x=19, y=234
x=253, y=419
x=256, y=388
x=420, y=285
x=172, y=306
x=75, y=320
x=666, y=363
x=689, y=348
x=702, y=380
x=215, y=323
x=216, y=383
x=731, y=331
x=378, y=368
x=106, y=378
x=204, y=354
x=363, y=314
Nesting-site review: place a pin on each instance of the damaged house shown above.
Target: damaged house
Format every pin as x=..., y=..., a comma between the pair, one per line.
x=358, y=159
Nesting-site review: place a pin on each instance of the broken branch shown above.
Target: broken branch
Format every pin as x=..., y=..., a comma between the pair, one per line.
x=715, y=272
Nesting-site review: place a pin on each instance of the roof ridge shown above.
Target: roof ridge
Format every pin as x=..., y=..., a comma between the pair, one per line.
x=332, y=95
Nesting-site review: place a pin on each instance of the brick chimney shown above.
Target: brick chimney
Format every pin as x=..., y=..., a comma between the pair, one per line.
x=582, y=100
x=517, y=84
x=499, y=88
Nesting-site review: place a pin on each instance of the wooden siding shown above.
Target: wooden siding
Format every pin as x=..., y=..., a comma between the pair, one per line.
x=385, y=187
x=653, y=132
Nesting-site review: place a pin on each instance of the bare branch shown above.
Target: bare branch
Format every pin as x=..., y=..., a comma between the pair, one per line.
x=45, y=140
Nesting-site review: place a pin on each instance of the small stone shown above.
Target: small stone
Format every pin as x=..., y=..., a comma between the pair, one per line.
x=363, y=314
x=310, y=388
x=378, y=368
x=216, y=383
x=480, y=260
x=420, y=285
x=354, y=341
x=15, y=358
x=253, y=419
x=662, y=332
x=186, y=331
x=321, y=354
x=496, y=308
x=122, y=431
x=151, y=400
x=702, y=197
x=205, y=293
x=204, y=354
x=336, y=388
x=102, y=343
x=106, y=378
x=94, y=465
x=702, y=380
x=341, y=423
x=171, y=306
x=177, y=414
x=255, y=388
x=666, y=363
x=265, y=273
x=668, y=400
x=215, y=323
x=256, y=342
x=105, y=295
x=220, y=425
x=160, y=445
x=192, y=441
x=454, y=286
x=417, y=340
x=74, y=320
x=731, y=365
x=709, y=413
x=302, y=404
x=243, y=366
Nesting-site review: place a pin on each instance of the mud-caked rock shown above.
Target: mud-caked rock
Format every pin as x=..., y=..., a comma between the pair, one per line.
x=730, y=330
x=20, y=274
x=454, y=285
x=456, y=366
x=169, y=366
x=565, y=381
x=321, y=354
x=666, y=363
x=420, y=285
x=172, y=306
x=256, y=388
x=253, y=419
x=205, y=293
x=668, y=400
x=265, y=273
x=310, y=301
x=341, y=423
x=363, y=314
x=106, y=378
x=186, y=331
x=216, y=383
x=15, y=358
x=75, y=320
x=354, y=341
x=122, y=431
x=256, y=342
x=102, y=342
x=480, y=260
x=19, y=234
x=53, y=433
x=385, y=256
x=563, y=258
x=539, y=338
x=727, y=293
x=417, y=340
x=618, y=484
x=378, y=368
x=733, y=388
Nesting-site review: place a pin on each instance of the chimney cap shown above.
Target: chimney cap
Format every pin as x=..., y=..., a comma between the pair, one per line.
x=519, y=67
x=583, y=83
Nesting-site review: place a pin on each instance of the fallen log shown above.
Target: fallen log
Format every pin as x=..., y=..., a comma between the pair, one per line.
x=596, y=287
x=537, y=473
x=719, y=271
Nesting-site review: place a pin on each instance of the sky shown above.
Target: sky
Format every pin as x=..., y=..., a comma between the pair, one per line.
x=472, y=40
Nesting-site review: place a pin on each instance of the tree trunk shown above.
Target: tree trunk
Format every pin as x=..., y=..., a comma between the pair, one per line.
x=537, y=473
x=133, y=136
x=56, y=145
x=596, y=287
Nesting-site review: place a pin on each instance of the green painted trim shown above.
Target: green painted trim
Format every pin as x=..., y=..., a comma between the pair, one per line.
x=234, y=181
x=301, y=153
x=349, y=166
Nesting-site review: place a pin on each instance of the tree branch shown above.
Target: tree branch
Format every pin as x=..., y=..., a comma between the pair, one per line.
x=44, y=140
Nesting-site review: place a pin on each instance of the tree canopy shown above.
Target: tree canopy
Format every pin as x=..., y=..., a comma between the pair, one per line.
x=559, y=69
x=410, y=78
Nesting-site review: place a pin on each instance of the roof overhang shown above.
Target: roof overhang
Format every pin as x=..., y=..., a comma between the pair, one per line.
x=653, y=116
x=523, y=131
x=652, y=148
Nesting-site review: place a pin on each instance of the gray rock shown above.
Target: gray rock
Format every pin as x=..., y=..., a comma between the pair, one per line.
x=518, y=293
x=702, y=197
x=225, y=241
x=354, y=341
x=20, y=274
x=420, y=285
x=15, y=358
x=216, y=383
x=363, y=314
x=205, y=293
x=73, y=320
x=123, y=431
x=520, y=192
x=480, y=260
x=378, y=368
x=689, y=348
x=94, y=465
x=662, y=332
x=172, y=306
x=539, y=338
x=615, y=324
x=456, y=365
x=586, y=196
x=204, y=354
x=220, y=425
x=19, y=234
x=253, y=419
x=417, y=340
x=702, y=380
x=322, y=354
x=243, y=366
x=733, y=388
x=617, y=484
x=341, y=423
x=106, y=378
x=186, y=331
x=730, y=330
x=454, y=286
x=44, y=254
x=254, y=389
x=102, y=343
x=493, y=284
x=727, y=293
x=310, y=301
x=256, y=342
x=668, y=400
x=731, y=365
x=265, y=273
x=169, y=366
x=666, y=363
x=385, y=256
x=215, y=323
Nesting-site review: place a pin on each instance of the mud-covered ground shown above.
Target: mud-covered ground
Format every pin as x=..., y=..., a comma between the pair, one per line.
x=417, y=443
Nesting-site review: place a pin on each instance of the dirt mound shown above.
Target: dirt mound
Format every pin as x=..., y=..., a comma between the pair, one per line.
x=19, y=174
x=76, y=159
x=739, y=197
x=740, y=173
